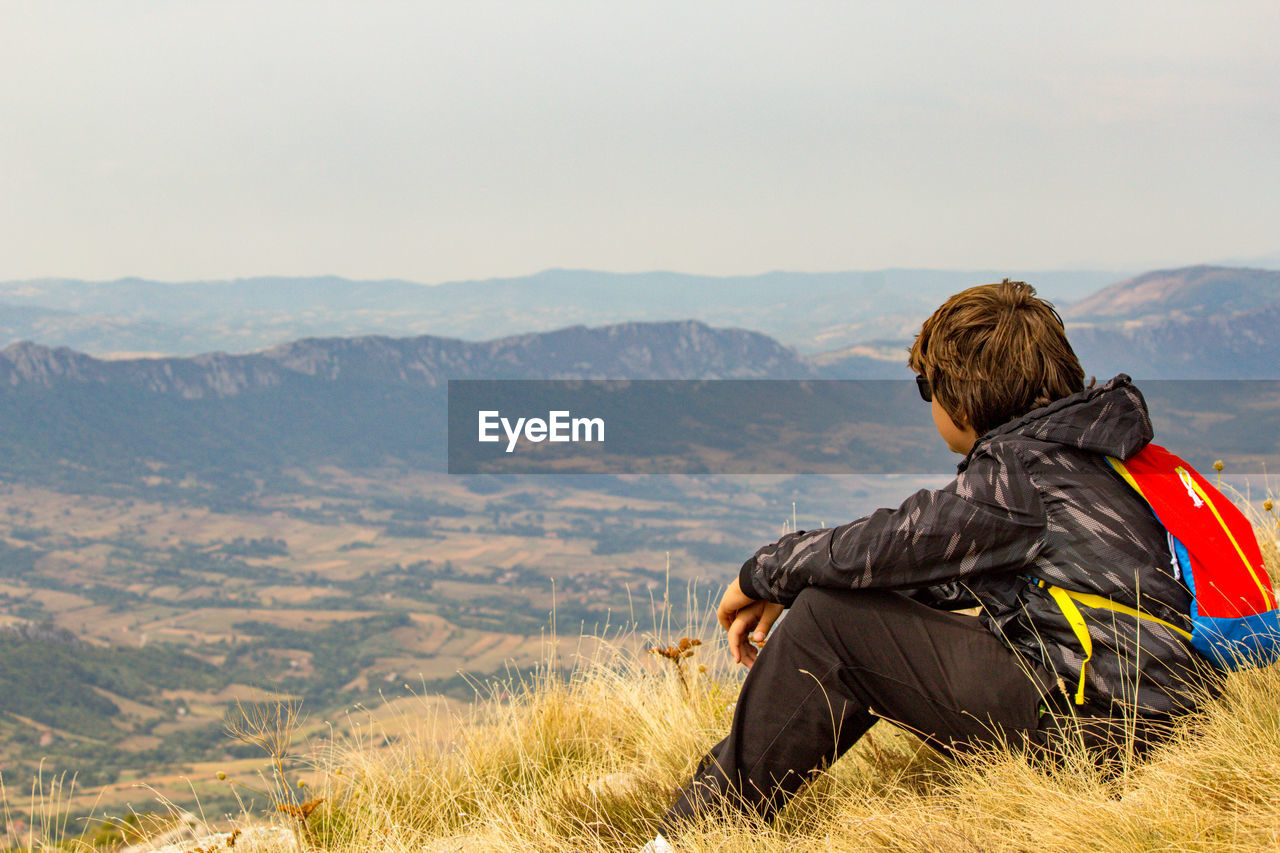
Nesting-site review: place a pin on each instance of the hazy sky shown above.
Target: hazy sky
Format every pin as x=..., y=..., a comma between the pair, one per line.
x=436, y=141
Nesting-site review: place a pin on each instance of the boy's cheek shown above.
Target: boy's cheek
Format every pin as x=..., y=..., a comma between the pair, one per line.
x=958, y=440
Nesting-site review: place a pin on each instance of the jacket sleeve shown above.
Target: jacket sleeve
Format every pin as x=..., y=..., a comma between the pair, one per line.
x=989, y=519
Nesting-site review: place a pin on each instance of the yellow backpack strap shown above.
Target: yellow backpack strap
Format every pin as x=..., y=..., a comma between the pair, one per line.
x=1088, y=599
x=1128, y=478
x=1066, y=601
x=1076, y=621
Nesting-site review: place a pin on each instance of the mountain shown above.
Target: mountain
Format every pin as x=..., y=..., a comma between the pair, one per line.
x=1245, y=345
x=1202, y=322
x=687, y=349
x=1199, y=322
x=12, y=316
x=870, y=360
x=810, y=311
x=345, y=401
x=1181, y=294
x=378, y=401
x=1195, y=323
x=675, y=350
x=851, y=323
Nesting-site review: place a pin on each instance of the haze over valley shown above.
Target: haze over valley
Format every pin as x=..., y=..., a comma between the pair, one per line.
x=271, y=516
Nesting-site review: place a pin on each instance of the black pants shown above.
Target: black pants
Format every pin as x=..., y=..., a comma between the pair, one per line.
x=839, y=661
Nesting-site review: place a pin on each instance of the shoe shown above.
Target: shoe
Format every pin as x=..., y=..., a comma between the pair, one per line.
x=657, y=845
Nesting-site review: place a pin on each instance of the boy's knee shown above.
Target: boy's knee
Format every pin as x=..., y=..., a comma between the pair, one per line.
x=837, y=618
x=814, y=605
x=823, y=601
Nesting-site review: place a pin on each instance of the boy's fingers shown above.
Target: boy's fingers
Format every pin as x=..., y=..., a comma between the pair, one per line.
x=738, y=630
x=730, y=603
x=735, y=642
x=768, y=616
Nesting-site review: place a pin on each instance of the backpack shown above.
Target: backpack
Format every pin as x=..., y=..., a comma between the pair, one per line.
x=1234, y=617
x=1235, y=622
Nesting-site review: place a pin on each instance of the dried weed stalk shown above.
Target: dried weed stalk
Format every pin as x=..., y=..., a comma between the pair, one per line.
x=679, y=655
x=271, y=727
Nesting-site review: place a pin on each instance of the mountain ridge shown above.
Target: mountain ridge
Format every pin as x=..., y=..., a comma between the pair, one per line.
x=810, y=311
x=686, y=349
x=1179, y=294
x=814, y=313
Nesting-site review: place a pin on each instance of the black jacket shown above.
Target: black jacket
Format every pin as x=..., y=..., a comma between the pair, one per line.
x=1034, y=500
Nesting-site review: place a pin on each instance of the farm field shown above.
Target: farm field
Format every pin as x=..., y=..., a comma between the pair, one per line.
x=133, y=620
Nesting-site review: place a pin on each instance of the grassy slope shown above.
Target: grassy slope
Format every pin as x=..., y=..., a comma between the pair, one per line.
x=589, y=763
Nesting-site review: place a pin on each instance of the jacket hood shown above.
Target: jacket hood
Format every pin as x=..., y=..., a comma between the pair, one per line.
x=1110, y=419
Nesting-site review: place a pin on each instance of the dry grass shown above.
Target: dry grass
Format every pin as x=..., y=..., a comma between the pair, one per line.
x=588, y=762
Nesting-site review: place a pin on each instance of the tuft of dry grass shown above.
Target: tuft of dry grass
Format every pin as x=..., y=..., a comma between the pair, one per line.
x=47, y=812
x=583, y=761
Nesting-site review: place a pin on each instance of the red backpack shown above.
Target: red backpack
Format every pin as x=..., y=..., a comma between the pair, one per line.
x=1234, y=618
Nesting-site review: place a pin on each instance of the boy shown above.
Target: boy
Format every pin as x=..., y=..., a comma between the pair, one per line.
x=869, y=633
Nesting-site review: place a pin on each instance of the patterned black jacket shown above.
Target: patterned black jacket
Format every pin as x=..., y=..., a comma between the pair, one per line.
x=1034, y=500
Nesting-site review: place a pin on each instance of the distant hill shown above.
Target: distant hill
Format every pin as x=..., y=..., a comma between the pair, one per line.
x=687, y=349
x=1193, y=292
x=376, y=401
x=1245, y=345
x=347, y=401
x=870, y=360
x=852, y=323
x=1195, y=323
x=675, y=350
x=809, y=311
x=12, y=316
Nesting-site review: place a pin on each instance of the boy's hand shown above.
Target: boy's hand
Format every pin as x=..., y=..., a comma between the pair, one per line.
x=738, y=615
x=759, y=615
x=733, y=600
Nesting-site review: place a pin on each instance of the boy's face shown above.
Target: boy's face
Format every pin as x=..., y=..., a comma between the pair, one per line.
x=959, y=440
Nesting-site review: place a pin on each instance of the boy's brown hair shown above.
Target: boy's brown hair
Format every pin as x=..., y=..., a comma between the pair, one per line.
x=994, y=352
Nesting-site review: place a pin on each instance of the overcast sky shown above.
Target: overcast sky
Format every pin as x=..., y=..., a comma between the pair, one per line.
x=437, y=141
